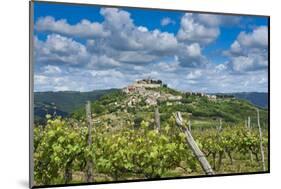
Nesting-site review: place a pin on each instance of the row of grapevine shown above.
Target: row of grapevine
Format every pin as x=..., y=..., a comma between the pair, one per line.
x=231, y=140
x=62, y=150
x=145, y=153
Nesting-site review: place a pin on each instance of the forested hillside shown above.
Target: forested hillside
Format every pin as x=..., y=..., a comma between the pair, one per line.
x=63, y=102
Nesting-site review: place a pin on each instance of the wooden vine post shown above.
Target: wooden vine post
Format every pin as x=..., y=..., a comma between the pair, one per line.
x=157, y=119
x=261, y=146
x=249, y=127
x=89, y=174
x=68, y=172
x=194, y=147
x=189, y=126
x=220, y=125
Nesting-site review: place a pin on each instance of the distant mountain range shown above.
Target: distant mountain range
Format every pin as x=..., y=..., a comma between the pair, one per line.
x=66, y=102
x=256, y=98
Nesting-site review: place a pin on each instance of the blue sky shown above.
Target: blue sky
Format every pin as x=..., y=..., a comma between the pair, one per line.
x=85, y=48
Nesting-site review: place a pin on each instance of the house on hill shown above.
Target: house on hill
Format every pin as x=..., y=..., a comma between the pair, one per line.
x=140, y=86
x=148, y=83
x=151, y=101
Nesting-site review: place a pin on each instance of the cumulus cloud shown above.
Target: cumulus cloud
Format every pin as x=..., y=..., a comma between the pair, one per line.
x=192, y=30
x=123, y=51
x=190, y=55
x=215, y=20
x=218, y=79
x=168, y=66
x=84, y=28
x=71, y=78
x=119, y=50
x=117, y=18
x=235, y=49
x=138, y=45
x=136, y=57
x=166, y=21
x=126, y=36
x=258, y=38
x=60, y=49
x=248, y=63
x=194, y=74
x=214, y=78
x=50, y=70
x=81, y=79
x=127, y=42
x=107, y=73
x=203, y=28
x=193, y=50
x=102, y=61
x=249, y=51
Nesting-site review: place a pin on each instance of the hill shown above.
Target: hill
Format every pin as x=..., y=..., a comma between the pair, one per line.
x=257, y=98
x=63, y=102
x=136, y=103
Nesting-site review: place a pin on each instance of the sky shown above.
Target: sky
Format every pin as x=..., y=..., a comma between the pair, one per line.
x=86, y=48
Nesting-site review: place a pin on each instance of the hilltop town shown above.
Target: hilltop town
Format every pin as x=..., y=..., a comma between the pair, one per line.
x=153, y=92
x=150, y=91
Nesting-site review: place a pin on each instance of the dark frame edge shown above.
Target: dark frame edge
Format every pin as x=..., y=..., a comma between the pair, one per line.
x=268, y=97
x=31, y=111
x=148, y=8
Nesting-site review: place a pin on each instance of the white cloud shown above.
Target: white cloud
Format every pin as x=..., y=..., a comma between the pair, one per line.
x=137, y=45
x=248, y=63
x=209, y=19
x=117, y=18
x=220, y=67
x=102, y=61
x=214, y=78
x=256, y=39
x=190, y=55
x=49, y=69
x=107, y=73
x=76, y=79
x=242, y=63
x=168, y=66
x=59, y=49
x=215, y=20
x=40, y=80
x=221, y=80
x=125, y=36
x=249, y=51
x=127, y=43
x=84, y=28
x=166, y=21
x=193, y=50
x=194, y=74
x=191, y=30
x=137, y=57
x=133, y=52
x=236, y=48
x=142, y=29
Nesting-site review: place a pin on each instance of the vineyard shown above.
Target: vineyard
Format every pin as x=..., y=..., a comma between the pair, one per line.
x=91, y=148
